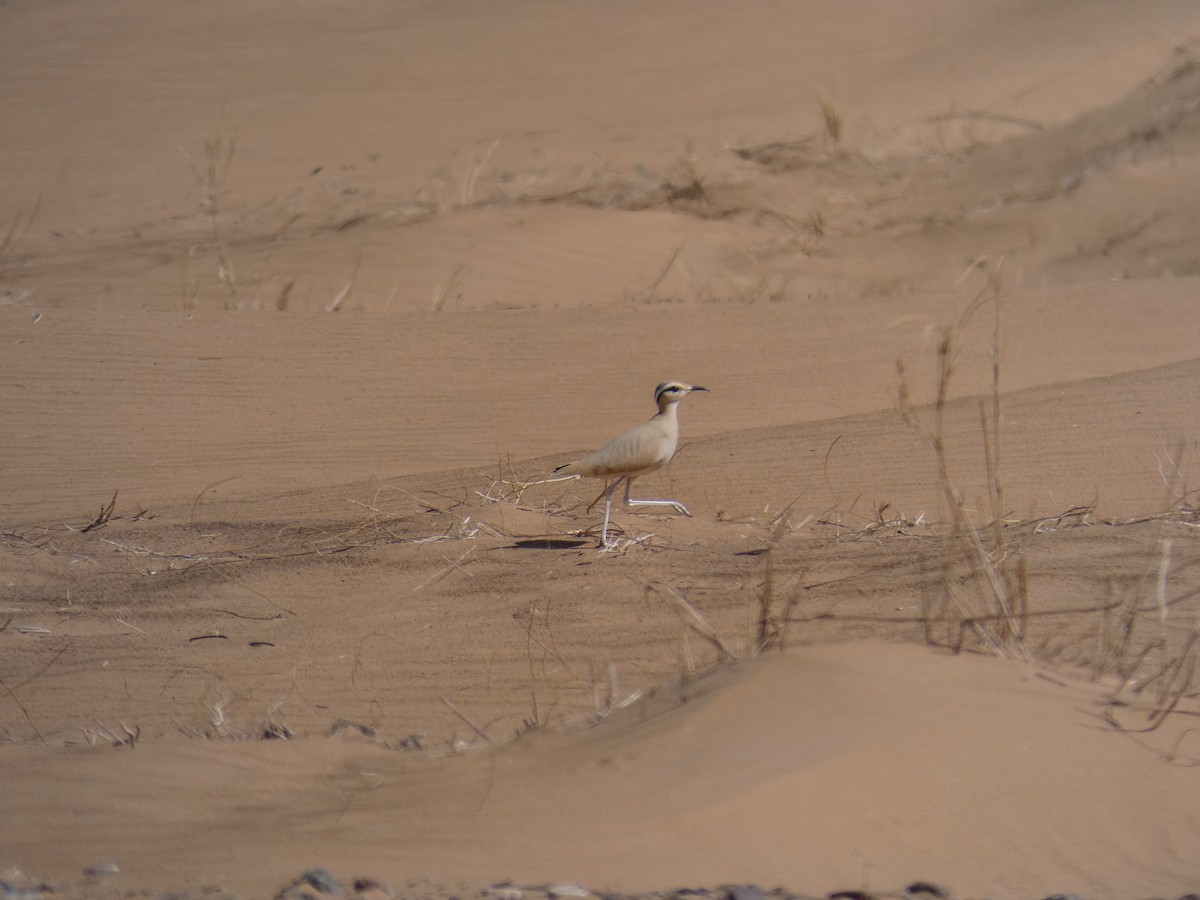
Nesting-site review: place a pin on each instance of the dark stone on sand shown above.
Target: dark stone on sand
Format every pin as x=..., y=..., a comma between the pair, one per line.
x=412, y=742
x=927, y=887
x=566, y=889
x=9, y=891
x=99, y=871
x=503, y=890
x=743, y=892
x=369, y=885
x=341, y=726
x=319, y=880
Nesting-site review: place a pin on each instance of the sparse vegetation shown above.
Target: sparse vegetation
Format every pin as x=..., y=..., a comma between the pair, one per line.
x=212, y=175
x=832, y=119
x=994, y=604
x=12, y=235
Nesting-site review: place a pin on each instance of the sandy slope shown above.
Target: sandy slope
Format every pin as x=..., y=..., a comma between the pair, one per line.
x=266, y=405
x=848, y=766
x=319, y=292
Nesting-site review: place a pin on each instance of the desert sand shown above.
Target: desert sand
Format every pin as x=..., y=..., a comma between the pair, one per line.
x=301, y=303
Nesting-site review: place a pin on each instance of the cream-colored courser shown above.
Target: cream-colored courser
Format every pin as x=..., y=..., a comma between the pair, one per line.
x=636, y=452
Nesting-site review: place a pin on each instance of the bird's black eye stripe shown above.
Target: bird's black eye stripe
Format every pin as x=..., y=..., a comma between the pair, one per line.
x=671, y=387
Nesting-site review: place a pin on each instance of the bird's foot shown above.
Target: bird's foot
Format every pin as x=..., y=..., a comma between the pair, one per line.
x=673, y=504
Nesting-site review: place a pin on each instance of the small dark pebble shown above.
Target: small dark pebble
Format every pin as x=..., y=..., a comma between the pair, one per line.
x=11, y=891
x=318, y=879
x=412, y=742
x=743, y=892
x=341, y=726
x=503, y=890
x=564, y=890
x=101, y=870
x=321, y=880
x=362, y=885
x=927, y=887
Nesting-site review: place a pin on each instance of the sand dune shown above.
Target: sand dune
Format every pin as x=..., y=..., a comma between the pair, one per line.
x=840, y=767
x=317, y=298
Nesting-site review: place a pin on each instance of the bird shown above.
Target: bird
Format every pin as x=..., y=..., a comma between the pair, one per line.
x=636, y=452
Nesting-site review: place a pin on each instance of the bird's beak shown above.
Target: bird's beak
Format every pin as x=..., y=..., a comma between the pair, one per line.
x=696, y=387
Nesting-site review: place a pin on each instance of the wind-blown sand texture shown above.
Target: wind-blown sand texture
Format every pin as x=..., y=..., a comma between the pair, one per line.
x=301, y=303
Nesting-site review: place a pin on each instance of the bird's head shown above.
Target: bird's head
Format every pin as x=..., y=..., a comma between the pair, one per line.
x=673, y=391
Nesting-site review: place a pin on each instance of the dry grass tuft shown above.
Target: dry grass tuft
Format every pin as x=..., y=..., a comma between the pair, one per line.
x=773, y=615
x=994, y=603
x=1148, y=636
x=832, y=120
x=211, y=175
x=15, y=231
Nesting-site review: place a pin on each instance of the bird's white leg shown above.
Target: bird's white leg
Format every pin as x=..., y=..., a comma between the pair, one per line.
x=674, y=504
x=604, y=541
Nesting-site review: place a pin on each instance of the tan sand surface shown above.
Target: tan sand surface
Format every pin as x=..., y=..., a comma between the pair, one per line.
x=856, y=765
x=300, y=304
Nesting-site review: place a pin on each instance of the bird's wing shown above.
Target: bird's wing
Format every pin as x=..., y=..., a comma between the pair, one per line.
x=644, y=448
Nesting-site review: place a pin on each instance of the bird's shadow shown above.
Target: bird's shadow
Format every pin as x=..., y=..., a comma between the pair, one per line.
x=550, y=543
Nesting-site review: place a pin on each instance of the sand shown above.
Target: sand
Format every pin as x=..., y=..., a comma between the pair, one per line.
x=300, y=305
